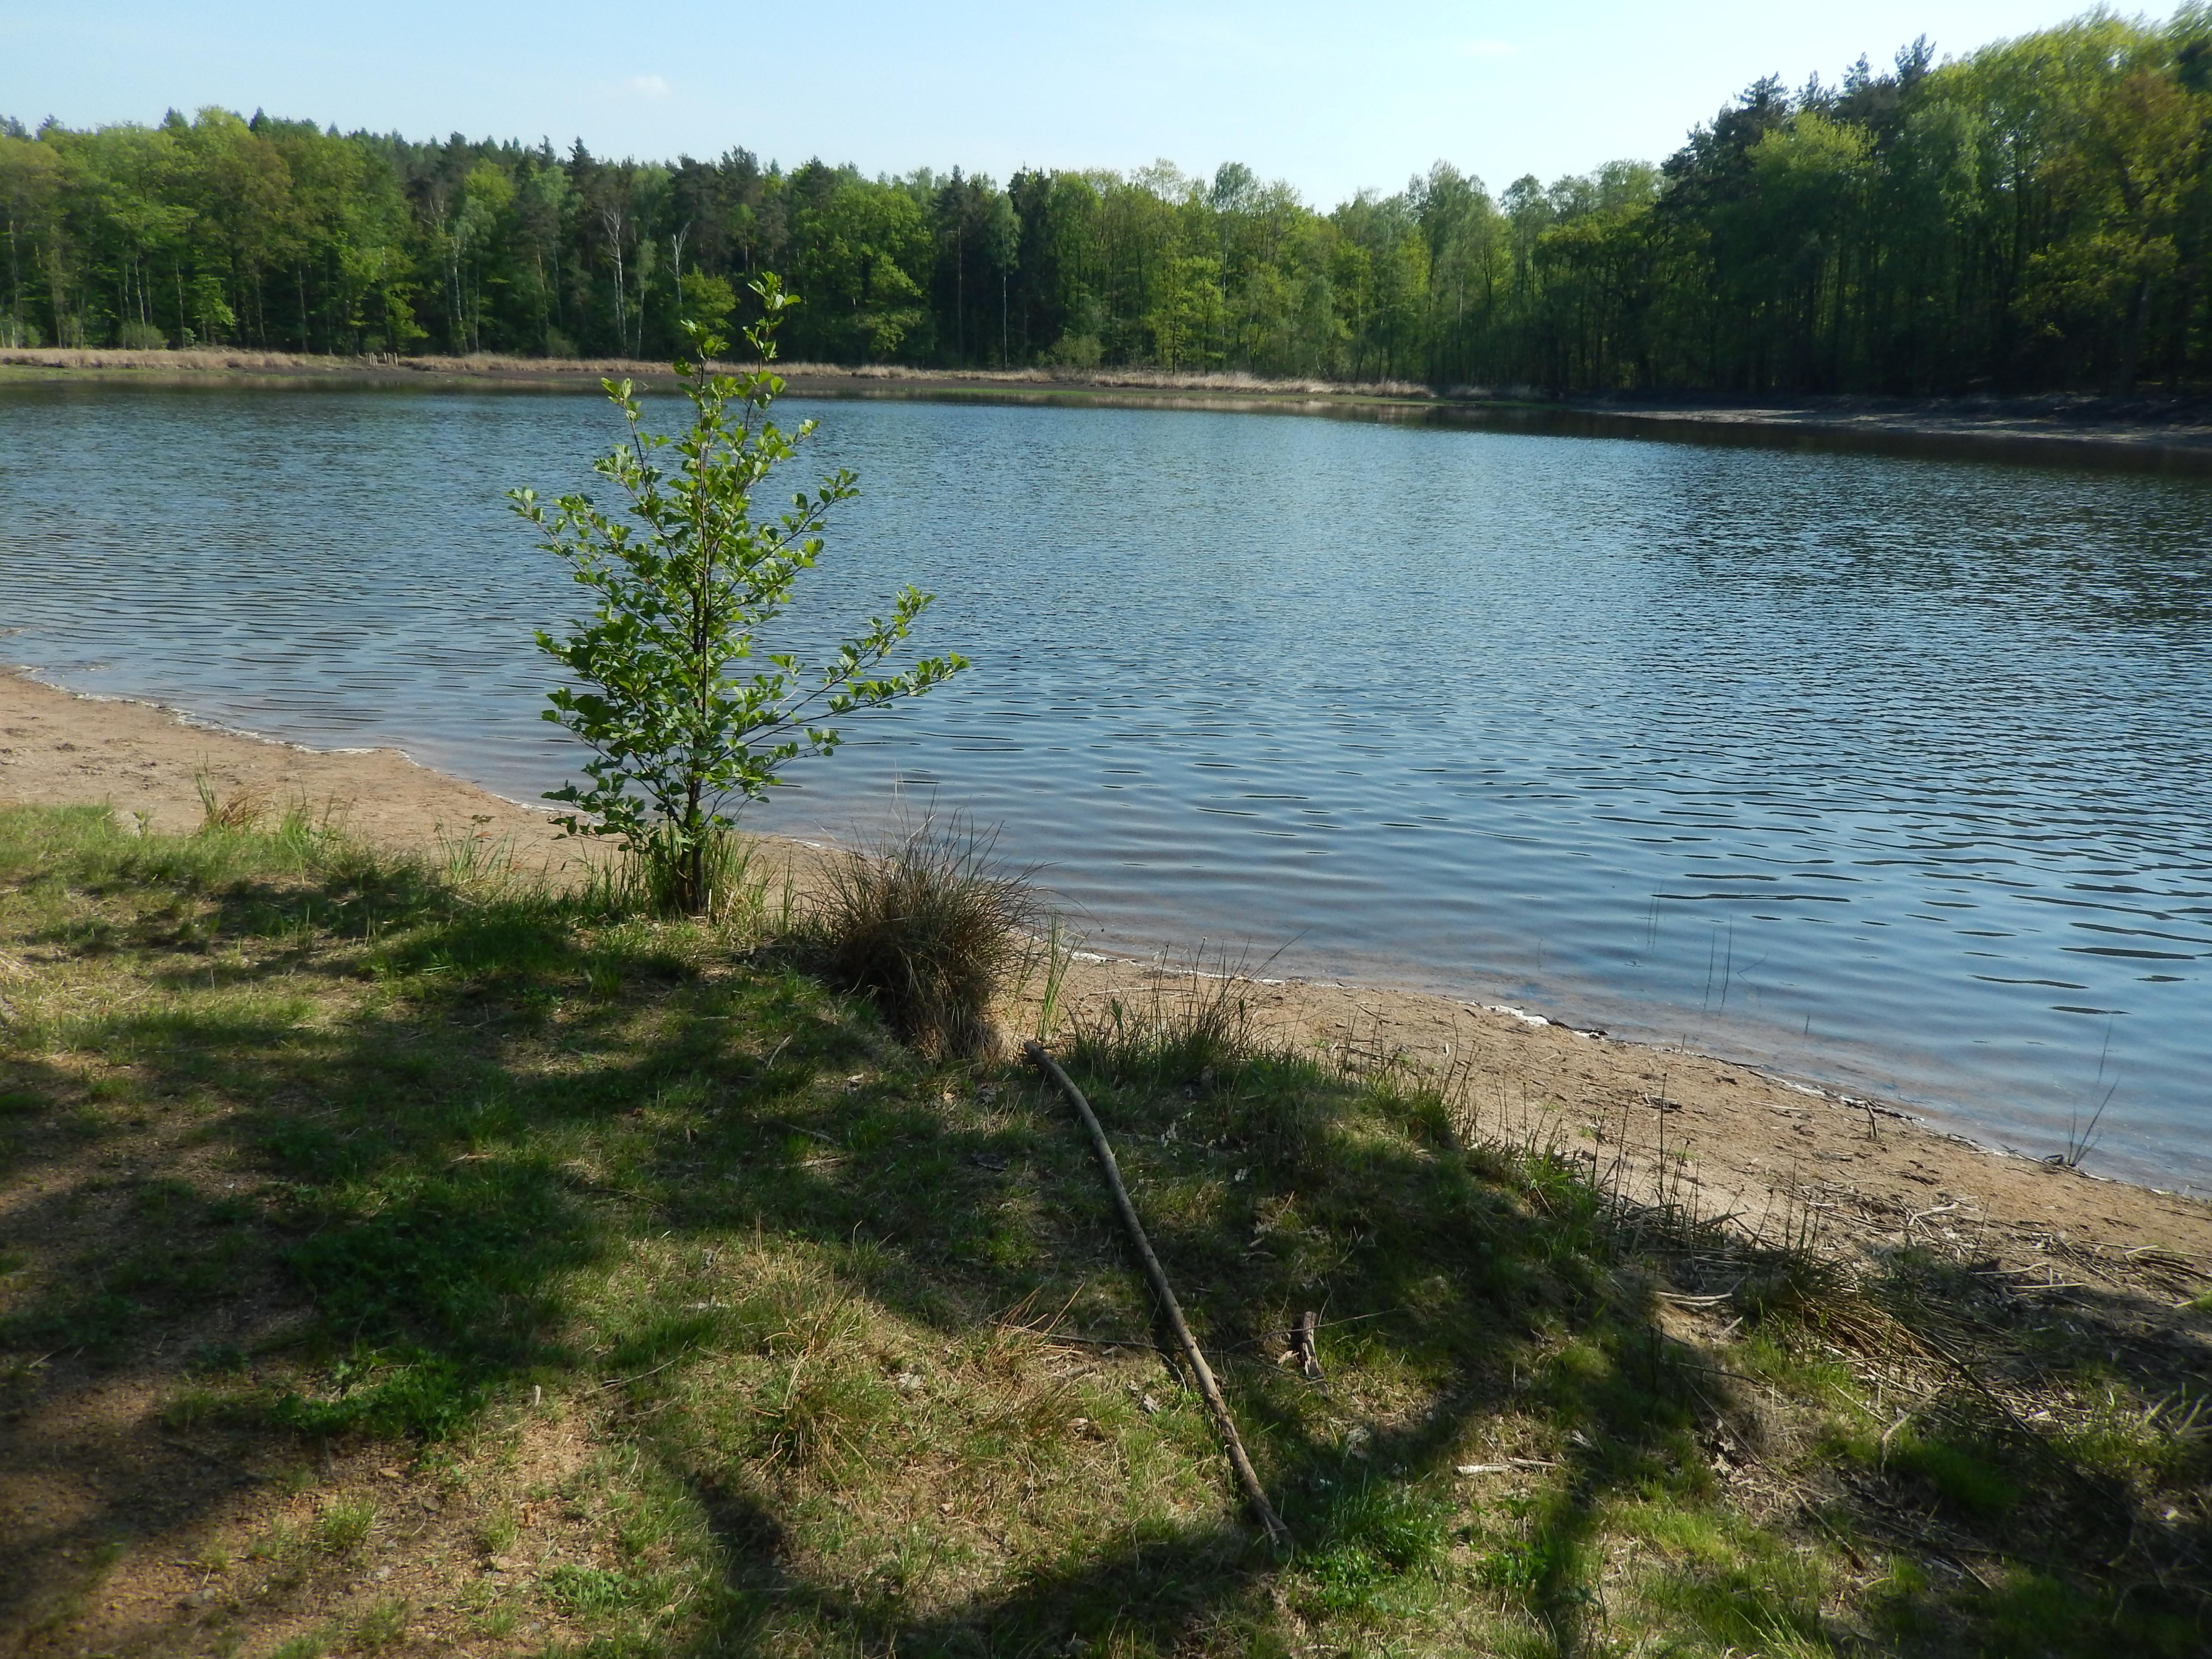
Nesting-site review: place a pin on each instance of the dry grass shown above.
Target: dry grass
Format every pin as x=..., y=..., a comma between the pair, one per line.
x=930, y=924
x=242, y=808
x=1230, y=382
x=209, y=360
x=215, y=359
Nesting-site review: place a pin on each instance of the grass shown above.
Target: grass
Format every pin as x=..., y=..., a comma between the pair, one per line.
x=1191, y=1028
x=930, y=925
x=506, y=1273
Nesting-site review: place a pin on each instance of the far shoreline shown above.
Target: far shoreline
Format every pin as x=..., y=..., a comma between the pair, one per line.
x=2160, y=433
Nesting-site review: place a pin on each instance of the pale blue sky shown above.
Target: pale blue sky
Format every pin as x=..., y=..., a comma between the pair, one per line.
x=1331, y=97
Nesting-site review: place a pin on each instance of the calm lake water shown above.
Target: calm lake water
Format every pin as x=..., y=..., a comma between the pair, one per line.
x=1889, y=772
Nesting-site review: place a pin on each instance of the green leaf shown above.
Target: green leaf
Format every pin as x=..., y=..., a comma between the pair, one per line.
x=666, y=688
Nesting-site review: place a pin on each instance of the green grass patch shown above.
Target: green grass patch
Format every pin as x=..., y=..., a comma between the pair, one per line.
x=715, y=1319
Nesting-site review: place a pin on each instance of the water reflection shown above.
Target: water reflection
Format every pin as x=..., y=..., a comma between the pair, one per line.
x=1886, y=770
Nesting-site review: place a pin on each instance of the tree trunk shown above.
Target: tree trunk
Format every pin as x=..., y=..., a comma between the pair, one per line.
x=2131, y=339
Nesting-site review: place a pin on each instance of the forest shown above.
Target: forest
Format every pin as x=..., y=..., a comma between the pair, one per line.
x=2035, y=216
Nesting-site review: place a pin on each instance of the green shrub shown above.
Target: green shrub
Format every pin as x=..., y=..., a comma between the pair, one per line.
x=686, y=719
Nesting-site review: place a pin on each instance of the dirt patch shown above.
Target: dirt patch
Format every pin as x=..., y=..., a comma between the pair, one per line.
x=56, y=747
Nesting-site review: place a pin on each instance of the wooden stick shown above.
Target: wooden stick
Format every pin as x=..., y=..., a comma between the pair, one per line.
x=1302, y=1343
x=1207, y=1388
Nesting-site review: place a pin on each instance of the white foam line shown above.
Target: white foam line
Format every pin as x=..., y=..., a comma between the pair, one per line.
x=1520, y=1014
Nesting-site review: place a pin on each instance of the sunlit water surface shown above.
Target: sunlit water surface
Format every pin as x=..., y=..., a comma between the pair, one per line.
x=1889, y=772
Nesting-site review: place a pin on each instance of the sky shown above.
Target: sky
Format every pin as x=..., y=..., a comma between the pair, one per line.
x=1333, y=97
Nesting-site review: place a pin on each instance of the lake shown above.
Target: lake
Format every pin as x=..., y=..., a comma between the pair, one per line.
x=1888, y=773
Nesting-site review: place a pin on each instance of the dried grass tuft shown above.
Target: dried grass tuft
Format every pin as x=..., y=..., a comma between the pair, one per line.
x=930, y=925
x=1193, y=1024
x=241, y=809
x=203, y=360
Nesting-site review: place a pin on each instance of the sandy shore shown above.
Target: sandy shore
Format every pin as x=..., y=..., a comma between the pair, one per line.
x=1726, y=1138
x=2139, y=434
x=2147, y=433
x=62, y=365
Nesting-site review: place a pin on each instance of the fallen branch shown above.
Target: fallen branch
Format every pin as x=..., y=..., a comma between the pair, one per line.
x=1302, y=1345
x=1208, y=1389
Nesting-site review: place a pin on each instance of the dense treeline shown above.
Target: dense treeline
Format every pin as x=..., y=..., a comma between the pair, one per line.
x=2038, y=215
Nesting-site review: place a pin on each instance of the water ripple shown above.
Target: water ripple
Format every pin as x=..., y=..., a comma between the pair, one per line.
x=1841, y=762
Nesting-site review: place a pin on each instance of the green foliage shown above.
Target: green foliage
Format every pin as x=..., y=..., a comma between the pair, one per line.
x=2030, y=216
x=344, y=1526
x=708, y=300
x=682, y=713
x=593, y=1591
x=1966, y=1474
x=1188, y=1029
x=383, y=1625
x=1378, y=1534
x=861, y=247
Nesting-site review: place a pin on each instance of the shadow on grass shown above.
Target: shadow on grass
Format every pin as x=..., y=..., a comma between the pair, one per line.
x=475, y=1104
x=2054, y=1526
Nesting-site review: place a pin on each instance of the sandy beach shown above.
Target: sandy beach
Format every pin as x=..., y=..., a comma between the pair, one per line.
x=1768, y=1150
x=2147, y=432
